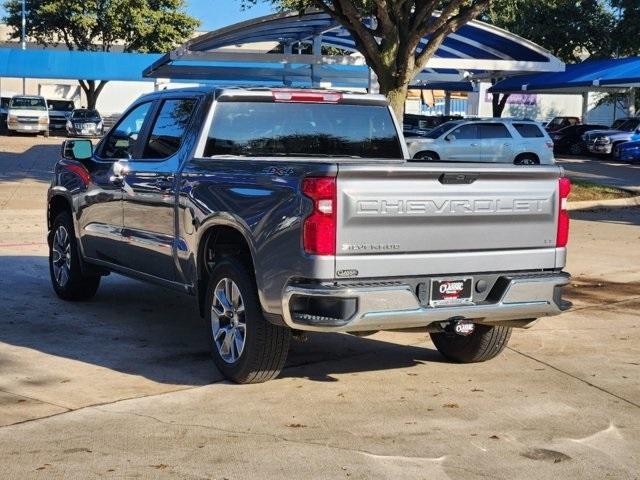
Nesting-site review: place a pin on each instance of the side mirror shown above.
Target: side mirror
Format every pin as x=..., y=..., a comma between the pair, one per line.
x=450, y=138
x=77, y=149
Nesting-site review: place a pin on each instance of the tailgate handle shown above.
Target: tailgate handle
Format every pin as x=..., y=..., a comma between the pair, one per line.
x=457, y=178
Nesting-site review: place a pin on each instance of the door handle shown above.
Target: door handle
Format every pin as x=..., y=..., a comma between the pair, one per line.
x=474, y=145
x=506, y=144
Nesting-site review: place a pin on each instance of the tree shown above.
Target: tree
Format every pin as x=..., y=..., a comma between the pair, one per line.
x=103, y=25
x=569, y=29
x=388, y=33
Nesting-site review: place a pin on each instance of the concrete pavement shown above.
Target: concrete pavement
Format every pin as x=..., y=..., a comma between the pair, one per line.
x=122, y=386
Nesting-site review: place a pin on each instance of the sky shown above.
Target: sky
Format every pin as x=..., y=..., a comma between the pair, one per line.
x=215, y=14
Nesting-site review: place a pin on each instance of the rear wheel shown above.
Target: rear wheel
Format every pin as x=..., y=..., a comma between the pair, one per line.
x=65, y=269
x=245, y=346
x=483, y=344
x=576, y=149
x=526, y=159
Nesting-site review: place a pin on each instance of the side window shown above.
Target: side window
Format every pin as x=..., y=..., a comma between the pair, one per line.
x=122, y=139
x=466, y=132
x=493, y=130
x=528, y=130
x=169, y=128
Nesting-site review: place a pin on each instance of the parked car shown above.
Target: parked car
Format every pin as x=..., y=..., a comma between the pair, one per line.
x=557, y=123
x=569, y=139
x=28, y=114
x=491, y=140
x=629, y=152
x=604, y=142
x=4, y=110
x=284, y=210
x=419, y=125
x=59, y=112
x=85, y=123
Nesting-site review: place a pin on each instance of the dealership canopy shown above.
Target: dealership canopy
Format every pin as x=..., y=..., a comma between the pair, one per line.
x=73, y=65
x=589, y=76
x=476, y=50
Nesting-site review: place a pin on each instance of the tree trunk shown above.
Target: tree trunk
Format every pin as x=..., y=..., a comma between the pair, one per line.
x=397, y=95
x=91, y=91
x=498, y=103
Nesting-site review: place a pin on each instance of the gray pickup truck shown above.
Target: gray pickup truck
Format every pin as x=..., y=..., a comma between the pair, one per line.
x=295, y=210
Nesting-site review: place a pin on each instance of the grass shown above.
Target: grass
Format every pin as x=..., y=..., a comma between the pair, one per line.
x=581, y=190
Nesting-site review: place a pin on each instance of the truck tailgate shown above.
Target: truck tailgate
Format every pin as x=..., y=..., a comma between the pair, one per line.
x=441, y=218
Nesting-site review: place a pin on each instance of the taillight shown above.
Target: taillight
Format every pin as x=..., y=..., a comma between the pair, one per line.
x=79, y=170
x=319, y=231
x=306, y=96
x=564, y=189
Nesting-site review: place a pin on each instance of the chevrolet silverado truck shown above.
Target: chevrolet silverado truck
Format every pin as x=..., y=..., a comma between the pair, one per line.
x=286, y=210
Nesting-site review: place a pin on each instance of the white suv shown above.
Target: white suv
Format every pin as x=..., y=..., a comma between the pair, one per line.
x=522, y=142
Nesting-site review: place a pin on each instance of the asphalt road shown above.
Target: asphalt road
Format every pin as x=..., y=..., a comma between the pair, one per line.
x=122, y=386
x=604, y=171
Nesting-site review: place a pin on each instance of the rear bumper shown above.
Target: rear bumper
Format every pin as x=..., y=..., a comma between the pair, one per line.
x=396, y=306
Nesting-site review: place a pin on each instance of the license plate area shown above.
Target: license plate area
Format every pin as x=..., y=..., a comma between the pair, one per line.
x=450, y=291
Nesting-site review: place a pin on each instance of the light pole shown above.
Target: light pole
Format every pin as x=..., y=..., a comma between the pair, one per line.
x=23, y=42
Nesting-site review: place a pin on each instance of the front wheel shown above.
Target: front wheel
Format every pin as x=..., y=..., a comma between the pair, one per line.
x=576, y=149
x=246, y=347
x=483, y=344
x=65, y=269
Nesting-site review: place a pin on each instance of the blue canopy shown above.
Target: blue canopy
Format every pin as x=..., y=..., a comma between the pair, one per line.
x=476, y=48
x=64, y=64
x=582, y=77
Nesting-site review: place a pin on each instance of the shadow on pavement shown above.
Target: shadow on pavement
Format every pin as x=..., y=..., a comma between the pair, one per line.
x=34, y=163
x=143, y=330
x=621, y=215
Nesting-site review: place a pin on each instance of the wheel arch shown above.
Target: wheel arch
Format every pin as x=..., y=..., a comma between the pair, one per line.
x=57, y=204
x=435, y=154
x=221, y=239
x=522, y=155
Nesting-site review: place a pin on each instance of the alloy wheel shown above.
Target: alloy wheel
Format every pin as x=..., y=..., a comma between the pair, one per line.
x=61, y=258
x=228, y=322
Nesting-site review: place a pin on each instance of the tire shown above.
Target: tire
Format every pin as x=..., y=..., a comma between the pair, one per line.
x=483, y=344
x=576, y=149
x=65, y=269
x=526, y=159
x=263, y=349
x=427, y=156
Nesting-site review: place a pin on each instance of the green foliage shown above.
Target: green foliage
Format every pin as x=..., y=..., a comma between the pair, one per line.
x=573, y=29
x=627, y=30
x=100, y=25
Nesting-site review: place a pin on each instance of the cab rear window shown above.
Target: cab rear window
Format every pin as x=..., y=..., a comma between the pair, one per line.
x=528, y=130
x=297, y=129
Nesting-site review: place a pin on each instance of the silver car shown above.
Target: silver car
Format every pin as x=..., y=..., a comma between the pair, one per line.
x=522, y=142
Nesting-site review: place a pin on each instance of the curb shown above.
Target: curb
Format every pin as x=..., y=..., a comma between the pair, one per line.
x=616, y=202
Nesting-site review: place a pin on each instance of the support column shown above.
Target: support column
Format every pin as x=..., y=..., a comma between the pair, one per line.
x=373, y=86
x=316, y=69
x=447, y=102
x=288, y=50
x=631, y=102
x=585, y=107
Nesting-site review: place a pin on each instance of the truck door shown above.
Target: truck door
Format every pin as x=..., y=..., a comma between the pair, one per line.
x=100, y=214
x=150, y=190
